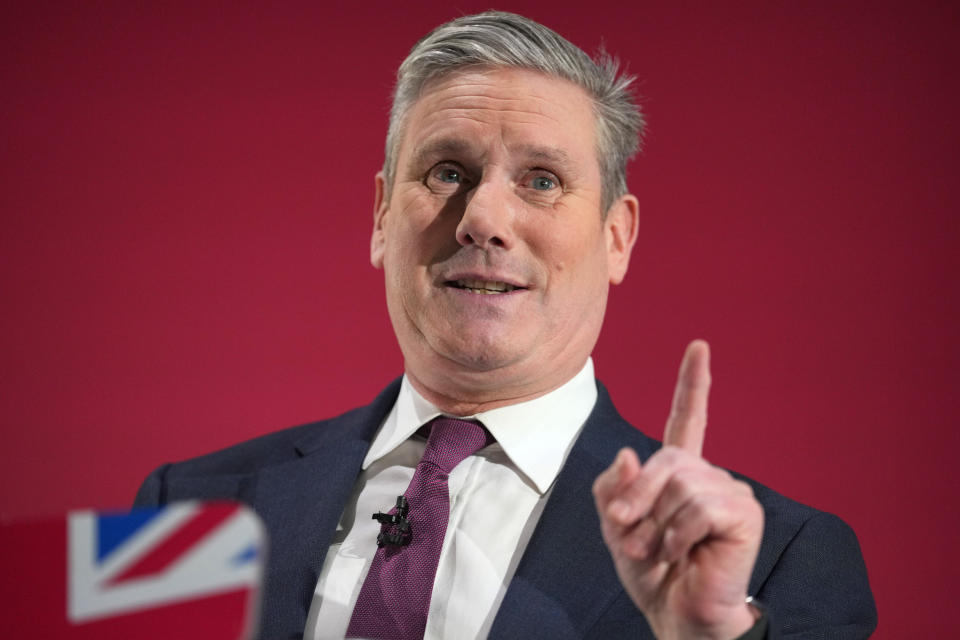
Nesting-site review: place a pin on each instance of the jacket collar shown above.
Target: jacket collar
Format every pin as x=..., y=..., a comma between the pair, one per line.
x=566, y=578
x=301, y=512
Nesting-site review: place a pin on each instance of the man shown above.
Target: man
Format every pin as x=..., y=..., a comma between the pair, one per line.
x=501, y=218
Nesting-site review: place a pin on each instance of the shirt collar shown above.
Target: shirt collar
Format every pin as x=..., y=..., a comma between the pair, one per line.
x=536, y=434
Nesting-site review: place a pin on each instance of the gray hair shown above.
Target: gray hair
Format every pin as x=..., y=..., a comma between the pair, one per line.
x=500, y=39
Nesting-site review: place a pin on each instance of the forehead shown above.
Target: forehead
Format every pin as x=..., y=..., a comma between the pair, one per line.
x=523, y=112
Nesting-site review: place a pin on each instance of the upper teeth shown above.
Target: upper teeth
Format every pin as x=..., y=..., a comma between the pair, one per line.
x=485, y=286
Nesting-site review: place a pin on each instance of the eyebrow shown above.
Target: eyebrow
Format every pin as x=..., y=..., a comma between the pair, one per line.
x=440, y=148
x=550, y=155
x=462, y=147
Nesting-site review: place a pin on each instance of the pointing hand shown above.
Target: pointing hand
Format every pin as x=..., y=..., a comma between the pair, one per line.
x=683, y=534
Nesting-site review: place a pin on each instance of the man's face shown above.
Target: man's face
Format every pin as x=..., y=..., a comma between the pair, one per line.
x=496, y=254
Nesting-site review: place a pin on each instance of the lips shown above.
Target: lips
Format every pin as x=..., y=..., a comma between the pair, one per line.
x=485, y=287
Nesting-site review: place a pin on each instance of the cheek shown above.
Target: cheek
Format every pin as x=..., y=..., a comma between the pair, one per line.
x=569, y=252
x=579, y=276
x=402, y=228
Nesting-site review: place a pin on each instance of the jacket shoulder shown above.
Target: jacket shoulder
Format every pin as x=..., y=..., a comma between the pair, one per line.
x=251, y=456
x=809, y=571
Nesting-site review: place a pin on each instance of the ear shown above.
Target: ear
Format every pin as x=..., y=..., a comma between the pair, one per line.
x=380, y=205
x=621, y=228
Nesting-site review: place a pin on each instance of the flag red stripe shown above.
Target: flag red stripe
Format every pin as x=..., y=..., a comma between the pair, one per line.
x=181, y=539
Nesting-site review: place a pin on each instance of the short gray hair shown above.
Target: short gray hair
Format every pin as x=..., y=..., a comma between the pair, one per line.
x=499, y=39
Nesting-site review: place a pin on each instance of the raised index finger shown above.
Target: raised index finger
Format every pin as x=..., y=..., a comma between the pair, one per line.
x=687, y=424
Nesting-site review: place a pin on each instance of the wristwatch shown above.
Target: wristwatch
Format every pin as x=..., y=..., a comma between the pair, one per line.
x=760, y=622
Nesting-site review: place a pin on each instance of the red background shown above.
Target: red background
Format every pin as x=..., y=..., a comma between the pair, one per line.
x=35, y=606
x=186, y=194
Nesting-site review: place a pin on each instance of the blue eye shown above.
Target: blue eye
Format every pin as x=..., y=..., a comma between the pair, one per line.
x=451, y=176
x=447, y=178
x=542, y=183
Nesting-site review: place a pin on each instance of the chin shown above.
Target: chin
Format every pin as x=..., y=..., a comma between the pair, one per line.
x=479, y=355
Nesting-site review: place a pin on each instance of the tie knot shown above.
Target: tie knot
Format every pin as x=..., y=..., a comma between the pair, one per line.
x=452, y=440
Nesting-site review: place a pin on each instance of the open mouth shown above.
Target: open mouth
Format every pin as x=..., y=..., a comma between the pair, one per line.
x=482, y=286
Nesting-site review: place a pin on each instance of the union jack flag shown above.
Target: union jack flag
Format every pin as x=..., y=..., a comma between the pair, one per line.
x=189, y=570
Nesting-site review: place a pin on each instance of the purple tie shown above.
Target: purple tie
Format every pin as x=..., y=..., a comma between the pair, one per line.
x=395, y=598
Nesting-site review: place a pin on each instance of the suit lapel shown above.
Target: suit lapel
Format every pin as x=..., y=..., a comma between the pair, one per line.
x=301, y=501
x=566, y=579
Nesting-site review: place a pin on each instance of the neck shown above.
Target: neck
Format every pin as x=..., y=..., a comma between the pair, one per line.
x=468, y=401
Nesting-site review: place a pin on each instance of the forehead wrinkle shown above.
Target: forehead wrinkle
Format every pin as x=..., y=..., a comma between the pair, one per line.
x=477, y=91
x=501, y=110
x=457, y=141
x=444, y=111
x=489, y=90
x=486, y=96
x=491, y=114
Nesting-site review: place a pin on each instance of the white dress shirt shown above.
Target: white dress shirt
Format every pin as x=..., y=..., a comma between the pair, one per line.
x=496, y=498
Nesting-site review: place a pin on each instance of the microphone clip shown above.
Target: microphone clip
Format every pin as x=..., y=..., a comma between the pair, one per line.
x=395, y=528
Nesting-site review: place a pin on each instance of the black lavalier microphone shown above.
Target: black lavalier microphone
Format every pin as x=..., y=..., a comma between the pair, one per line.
x=395, y=528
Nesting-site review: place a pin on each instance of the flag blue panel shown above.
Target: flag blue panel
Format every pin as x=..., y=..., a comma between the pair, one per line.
x=114, y=528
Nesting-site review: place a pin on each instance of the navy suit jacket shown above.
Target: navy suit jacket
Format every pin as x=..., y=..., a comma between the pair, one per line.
x=809, y=573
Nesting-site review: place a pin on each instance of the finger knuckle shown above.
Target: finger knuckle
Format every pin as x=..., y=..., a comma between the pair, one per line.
x=685, y=481
x=743, y=487
x=670, y=452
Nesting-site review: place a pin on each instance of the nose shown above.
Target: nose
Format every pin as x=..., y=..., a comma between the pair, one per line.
x=488, y=217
